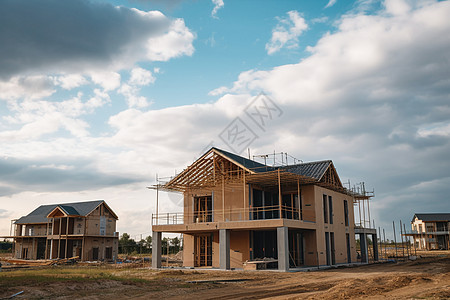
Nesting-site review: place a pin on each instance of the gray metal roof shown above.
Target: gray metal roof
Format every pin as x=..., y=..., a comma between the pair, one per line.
x=314, y=169
x=245, y=162
x=433, y=217
x=39, y=215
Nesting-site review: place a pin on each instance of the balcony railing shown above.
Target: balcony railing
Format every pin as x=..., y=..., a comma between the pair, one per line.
x=236, y=214
x=415, y=232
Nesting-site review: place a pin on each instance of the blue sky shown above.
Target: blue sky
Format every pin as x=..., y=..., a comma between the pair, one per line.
x=97, y=97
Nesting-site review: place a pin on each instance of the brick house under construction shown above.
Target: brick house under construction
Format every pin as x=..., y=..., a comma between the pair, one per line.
x=238, y=211
x=83, y=229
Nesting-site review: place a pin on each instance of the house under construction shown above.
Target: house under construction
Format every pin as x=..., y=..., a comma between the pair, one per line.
x=86, y=230
x=239, y=212
x=430, y=231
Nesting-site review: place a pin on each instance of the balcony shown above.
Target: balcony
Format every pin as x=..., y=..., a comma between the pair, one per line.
x=432, y=232
x=235, y=215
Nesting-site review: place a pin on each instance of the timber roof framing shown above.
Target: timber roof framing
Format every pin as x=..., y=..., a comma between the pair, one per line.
x=217, y=166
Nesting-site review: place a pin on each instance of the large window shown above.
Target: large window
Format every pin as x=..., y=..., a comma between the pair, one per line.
x=202, y=209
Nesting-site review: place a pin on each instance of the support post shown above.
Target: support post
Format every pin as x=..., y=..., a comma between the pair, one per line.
x=283, y=249
x=59, y=239
x=67, y=237
x=375, y=247
x=223, y=198
x=245, y=199
x=156, y=250
x=363, y=246
x=224, y=249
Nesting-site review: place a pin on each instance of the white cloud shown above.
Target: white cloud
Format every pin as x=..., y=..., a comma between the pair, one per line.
x=396, y=7
x=176, y=42
x=35, y=119
x=218, y=4
x=70, y=81
x=330, y=3
x=131, y=94
x=286, y=33
x=131, y=90
x=28, y=87
x=107, y=80
x=141, y=77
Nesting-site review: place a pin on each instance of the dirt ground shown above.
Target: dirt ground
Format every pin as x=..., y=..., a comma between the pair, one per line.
x=425, y=278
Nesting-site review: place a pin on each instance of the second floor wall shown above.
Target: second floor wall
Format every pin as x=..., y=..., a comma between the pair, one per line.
x=241, y=202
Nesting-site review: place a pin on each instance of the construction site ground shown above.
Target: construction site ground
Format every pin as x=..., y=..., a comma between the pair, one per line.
x=424, y=278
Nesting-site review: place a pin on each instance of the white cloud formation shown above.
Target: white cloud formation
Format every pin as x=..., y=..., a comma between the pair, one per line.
x=27, y=87
x=286, y=32
x=131, y=90
x=176, y=42
x=107, y=80
x=140, y=76
x=70, y=81
x=39, y=117
x=218, y=4
x=330, y=3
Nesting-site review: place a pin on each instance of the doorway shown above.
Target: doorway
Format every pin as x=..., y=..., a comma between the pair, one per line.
x=203, y=250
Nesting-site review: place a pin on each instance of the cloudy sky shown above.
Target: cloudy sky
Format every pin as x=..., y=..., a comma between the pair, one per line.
x=97, y=97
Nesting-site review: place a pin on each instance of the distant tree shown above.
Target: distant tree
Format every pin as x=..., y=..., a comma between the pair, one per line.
x=148, y=242
x=127, y=244
x=165, y=245
x=5, y=246
x=176, y=244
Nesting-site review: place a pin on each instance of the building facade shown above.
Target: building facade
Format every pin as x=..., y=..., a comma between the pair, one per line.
x=86, y=230
x=430, y=231
x=237, y=210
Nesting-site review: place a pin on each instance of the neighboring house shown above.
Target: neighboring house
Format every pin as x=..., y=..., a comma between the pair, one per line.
x=238, y=210
x=83, y=229
x=431, y=231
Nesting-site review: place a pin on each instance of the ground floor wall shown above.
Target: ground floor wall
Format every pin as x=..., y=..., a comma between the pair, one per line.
x=306, y=248
x=87, y=248
x=432, y=242
x=29, y=248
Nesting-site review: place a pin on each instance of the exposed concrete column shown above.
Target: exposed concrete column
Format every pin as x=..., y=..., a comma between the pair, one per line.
x=283, y=249
x=363, y=246
x=156, y=250
x=375, y=247
x=224, y=249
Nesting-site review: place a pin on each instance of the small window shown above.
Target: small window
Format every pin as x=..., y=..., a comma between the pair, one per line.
x=346, y=212
x=330, y=208
x=325, y=209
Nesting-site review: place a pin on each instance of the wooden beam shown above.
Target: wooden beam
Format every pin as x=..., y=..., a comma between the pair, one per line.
x=244, y=189
x=223, y=199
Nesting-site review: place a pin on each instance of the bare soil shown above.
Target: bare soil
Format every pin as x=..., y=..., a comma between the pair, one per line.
x=425, y=278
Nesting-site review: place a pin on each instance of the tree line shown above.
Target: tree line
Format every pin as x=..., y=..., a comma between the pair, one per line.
x=129, y=246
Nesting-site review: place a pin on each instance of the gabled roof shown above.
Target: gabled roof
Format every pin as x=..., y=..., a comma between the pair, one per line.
x=314, y=169
x=69, y=210
x=248, y=164
x=39, y=215
x=432, y=217
x=208, y=170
